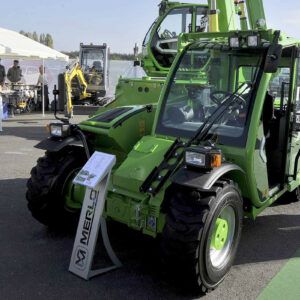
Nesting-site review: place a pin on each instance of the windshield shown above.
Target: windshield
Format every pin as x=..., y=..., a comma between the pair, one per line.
x=206, y=78
x=92, y=60
x=147, y=37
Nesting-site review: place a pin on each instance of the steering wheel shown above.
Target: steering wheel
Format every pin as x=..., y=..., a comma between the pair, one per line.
x=218, y=96
x=223, y=95
x=167, y=34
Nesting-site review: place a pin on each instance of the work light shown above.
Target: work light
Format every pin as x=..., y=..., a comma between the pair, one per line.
x=59, y=129
x=203, y=157
x=253, y=40
x=235, y=41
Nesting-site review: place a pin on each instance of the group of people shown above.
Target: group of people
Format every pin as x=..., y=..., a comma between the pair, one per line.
x=14, y=75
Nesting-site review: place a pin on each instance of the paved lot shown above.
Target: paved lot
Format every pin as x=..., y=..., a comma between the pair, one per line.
x=34, y=261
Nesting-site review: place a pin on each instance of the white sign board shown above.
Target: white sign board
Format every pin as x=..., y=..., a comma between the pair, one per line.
x=95, y=169
x=95, y=176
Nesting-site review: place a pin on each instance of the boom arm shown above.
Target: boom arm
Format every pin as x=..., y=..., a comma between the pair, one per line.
x=256, y=14
x=222, y=14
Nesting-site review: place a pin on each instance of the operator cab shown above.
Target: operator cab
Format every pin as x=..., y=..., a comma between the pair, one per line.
x=163, y=41
x=228, y=87
x=94, y=63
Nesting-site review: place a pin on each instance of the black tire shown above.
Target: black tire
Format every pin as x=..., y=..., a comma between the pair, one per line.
x=296, y=194
x=101, y=94
x=46, y=187
x=186, y=239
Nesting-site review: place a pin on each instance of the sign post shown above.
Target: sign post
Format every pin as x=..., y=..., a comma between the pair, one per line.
x=95, y=177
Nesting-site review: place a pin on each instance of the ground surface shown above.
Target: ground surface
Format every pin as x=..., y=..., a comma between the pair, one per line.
x=34, y=261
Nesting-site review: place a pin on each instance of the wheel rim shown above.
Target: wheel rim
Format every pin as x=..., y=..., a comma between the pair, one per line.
x=222, y=237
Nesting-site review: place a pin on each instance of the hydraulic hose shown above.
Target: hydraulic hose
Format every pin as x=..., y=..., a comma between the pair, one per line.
x=85, y=145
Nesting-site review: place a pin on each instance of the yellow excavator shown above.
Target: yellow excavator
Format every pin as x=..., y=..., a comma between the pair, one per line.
x=75, y=86
x=86, y=80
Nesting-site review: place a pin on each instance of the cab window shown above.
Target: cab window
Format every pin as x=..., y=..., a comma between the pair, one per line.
x=279, y=87
x=201, y=20
x=177, y=21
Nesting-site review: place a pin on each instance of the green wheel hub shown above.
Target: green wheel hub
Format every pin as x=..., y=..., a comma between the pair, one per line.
x=220, y=234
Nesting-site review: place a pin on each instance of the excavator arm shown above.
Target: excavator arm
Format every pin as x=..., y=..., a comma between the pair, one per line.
x=75, y=84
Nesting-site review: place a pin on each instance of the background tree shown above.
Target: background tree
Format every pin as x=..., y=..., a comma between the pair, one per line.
x=45, y=39
x=35, y=36
x=49, y=40
x=42, y=38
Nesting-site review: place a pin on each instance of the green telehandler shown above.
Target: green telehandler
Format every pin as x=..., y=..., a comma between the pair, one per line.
x=213, y=150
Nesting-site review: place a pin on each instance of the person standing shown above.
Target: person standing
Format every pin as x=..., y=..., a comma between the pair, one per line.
x=2, y=74
x=14, y=73
x=42, y=80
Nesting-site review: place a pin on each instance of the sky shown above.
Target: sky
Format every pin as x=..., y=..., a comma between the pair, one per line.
x=119, y=23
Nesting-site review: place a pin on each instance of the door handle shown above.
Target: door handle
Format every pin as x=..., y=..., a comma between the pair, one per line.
x=261, y=149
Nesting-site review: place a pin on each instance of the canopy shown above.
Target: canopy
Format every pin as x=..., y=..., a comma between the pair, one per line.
x=15, y=45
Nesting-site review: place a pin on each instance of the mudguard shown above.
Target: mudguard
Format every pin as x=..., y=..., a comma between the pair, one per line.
x=196, y=178
x=54, y=145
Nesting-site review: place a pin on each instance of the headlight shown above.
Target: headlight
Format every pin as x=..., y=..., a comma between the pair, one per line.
x=235, y=41
x=59, y=129
x=253, y=40
x=203, y=157
x=195, y=158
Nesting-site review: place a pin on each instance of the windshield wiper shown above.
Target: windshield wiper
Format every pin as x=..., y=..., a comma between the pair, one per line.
x=216, y=115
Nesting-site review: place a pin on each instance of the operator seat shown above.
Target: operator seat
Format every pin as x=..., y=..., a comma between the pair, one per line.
x=97, y=66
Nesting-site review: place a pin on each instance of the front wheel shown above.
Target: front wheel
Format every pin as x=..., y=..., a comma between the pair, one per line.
x=202, y=233
x=52, y=198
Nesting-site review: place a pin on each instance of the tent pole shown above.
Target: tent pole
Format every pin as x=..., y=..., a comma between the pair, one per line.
x=43, y=100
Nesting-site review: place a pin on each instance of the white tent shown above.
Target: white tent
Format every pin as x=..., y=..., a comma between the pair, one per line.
x=16, y=45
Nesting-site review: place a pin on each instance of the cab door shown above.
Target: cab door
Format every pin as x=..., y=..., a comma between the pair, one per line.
x=274, y=153
x=293, y=166
x=185, y=19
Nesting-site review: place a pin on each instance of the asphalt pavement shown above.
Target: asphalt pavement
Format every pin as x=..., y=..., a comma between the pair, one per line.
x=34, y=261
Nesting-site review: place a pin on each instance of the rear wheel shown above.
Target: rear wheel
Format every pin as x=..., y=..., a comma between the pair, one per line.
x=52, y=198
x=202, y=233
x=294, y=196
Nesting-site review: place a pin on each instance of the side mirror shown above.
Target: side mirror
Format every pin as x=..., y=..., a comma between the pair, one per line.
x=272, y=59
